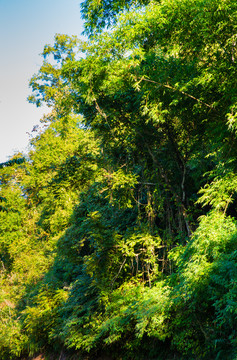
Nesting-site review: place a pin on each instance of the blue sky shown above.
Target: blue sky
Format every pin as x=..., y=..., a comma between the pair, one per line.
x=25, y=27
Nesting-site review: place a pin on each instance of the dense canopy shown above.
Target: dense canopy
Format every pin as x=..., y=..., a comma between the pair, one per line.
x=118, y=230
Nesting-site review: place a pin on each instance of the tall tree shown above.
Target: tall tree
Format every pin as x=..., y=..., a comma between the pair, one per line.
x=127, y=200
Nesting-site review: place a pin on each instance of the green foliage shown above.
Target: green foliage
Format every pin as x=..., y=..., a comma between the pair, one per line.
x=220, y=193
x=101, y=14
x=207, y=268
x=118, y=228
x=41, y=318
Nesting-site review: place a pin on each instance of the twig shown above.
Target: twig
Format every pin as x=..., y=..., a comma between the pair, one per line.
x=228, y=203
x=175, y=89
x=118, y=272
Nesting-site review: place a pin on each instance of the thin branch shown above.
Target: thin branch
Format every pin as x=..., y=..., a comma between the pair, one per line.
x=112, y=284
x=228, y=202
x=182, y=185
x=202, y=329
x=146, y=183
x=100, y=111
x=175, y=89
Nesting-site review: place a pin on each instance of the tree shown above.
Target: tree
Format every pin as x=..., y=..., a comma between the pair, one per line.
x=128, y=196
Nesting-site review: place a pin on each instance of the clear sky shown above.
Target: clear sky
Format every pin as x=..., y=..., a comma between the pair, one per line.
x=25, y=27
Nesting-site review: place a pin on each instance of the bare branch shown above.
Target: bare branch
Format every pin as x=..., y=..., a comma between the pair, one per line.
x=112, y=284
